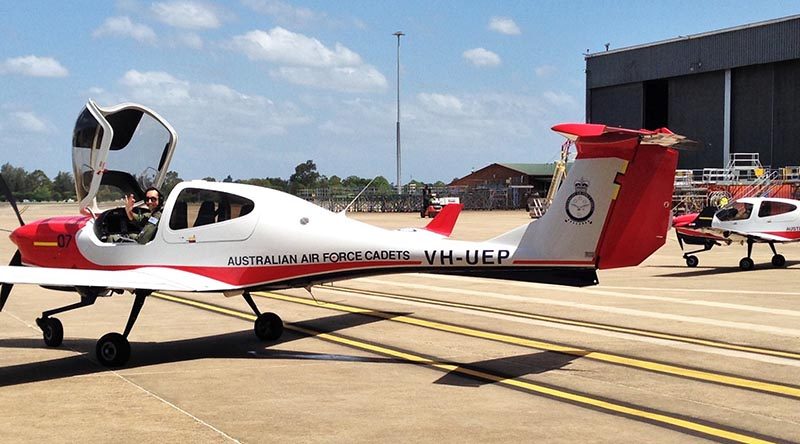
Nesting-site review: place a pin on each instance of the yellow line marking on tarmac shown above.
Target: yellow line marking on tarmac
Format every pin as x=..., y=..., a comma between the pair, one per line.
x=520, y=384
x=521, y=314
x=531, y=343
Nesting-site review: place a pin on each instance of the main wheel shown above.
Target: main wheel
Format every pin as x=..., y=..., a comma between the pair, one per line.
x=113, y=350
x=268, y=327
x=52, y=331
x=778, y=260
x=746, y=264
x=692, y=261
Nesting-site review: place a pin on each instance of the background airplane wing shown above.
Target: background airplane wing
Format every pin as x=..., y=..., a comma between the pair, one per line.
x=149, y=278
x=734, y=236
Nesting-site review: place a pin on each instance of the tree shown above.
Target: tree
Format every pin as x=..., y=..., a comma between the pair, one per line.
x=305, y=176
x=63, y=186
x=15, y=178
x=228, y=179
x=40, y=186
x=170, y=180
x=382, y=185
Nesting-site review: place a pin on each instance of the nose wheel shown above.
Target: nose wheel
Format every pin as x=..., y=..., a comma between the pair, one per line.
x=692, y=261
x=52, y=331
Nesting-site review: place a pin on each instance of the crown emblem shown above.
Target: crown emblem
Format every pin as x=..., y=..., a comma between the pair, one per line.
x=582, y=184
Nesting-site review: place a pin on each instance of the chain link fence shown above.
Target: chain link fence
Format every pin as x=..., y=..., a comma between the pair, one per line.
x=381, y=201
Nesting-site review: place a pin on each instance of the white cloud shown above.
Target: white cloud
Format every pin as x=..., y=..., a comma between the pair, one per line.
x=362, y=78
x=284, y=12
x=560, y=99
x=211, y=102
x=186, y=14
x=124, y=27
x=306, y=61
x=545, y=71
x=481, y=57
x=189, y=40
x=33, y=66
x=441, y=103
x=504, y=25
x=279, y=45
x=28, y=122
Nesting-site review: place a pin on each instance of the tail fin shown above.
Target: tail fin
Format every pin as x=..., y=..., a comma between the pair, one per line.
x=614, y=206
x=444, y=222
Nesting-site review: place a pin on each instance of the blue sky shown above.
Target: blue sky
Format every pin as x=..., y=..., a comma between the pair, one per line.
x=255, y=87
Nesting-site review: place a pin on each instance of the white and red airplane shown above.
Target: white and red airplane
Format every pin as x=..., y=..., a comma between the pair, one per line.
x=612, y=211
x=748, y=220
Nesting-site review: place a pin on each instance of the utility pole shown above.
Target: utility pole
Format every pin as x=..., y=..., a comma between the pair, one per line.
x=399, y=183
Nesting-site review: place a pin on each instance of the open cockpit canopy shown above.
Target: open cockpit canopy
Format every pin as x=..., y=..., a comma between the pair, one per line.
x=118, y=151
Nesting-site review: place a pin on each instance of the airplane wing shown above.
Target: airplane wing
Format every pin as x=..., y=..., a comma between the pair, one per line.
x=149, y=278
x=734, y=236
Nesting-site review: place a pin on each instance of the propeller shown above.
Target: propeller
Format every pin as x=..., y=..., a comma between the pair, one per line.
x=16, y=260
x=10, y=199
x=5, y=289
x=680, y=240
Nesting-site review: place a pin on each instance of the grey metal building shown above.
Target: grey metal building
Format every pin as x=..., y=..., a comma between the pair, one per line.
x=737, y=90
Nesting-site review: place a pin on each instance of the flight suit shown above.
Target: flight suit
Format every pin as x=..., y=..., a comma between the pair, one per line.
x=149, y=223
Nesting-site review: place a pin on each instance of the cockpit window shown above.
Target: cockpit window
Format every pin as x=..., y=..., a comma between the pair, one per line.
x=770, y=208
x=195, y=207
x=735, y=211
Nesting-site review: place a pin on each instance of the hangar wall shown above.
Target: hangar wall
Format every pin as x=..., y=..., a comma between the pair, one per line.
x=739, y=86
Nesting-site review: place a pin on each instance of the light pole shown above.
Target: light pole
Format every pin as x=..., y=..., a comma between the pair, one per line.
x=399, y=183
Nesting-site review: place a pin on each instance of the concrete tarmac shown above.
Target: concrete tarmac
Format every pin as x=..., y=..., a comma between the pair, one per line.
x=655, y=353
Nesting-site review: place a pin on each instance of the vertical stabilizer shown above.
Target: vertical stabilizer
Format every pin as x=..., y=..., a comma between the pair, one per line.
x=614, y=206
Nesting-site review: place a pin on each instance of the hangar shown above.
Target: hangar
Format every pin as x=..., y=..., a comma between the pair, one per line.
x=736, y=90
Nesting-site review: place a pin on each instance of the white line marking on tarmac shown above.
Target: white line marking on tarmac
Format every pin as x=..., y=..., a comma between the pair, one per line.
x=741, y=307
x=626, y=311
x=195, y=418
x=590, y=330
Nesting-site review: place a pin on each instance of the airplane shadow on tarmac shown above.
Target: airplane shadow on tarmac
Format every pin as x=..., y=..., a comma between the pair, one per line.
x=468, y=375
x=236, y=345
x=712, y=271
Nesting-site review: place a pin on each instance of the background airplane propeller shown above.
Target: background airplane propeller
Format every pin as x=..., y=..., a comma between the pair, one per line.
x=5, y=289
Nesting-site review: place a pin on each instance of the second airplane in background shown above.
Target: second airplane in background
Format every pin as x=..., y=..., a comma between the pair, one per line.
x=748, y=220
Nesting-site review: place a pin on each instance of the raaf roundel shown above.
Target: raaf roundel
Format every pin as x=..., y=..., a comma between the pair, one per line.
x=612, y=210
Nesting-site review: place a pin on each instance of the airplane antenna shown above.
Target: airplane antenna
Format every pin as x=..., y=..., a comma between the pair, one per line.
x=308, y=289
x=357, y=196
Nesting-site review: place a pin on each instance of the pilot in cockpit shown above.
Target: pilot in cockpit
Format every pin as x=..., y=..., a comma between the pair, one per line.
x=146, y=221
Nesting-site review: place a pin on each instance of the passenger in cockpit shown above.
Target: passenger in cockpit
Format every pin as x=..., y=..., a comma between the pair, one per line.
x=147, y=221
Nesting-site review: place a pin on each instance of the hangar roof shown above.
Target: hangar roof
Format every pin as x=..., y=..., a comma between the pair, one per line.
x=756, y=43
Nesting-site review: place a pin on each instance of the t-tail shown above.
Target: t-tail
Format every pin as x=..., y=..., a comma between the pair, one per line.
x=612, y=210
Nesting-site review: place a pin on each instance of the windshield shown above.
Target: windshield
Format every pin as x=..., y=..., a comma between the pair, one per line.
x=735, y=211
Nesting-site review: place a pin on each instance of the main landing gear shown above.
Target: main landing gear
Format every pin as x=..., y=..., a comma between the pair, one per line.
x=268, y=326
x=747, y=263
x=113, y=349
